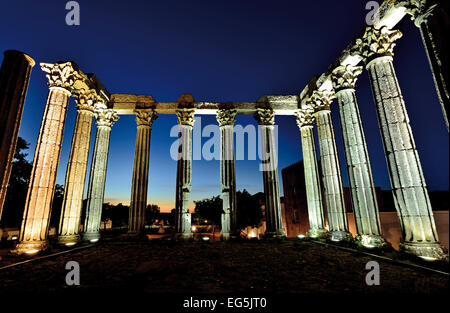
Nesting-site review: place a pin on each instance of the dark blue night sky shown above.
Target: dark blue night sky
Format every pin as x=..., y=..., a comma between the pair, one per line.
x=218, y=51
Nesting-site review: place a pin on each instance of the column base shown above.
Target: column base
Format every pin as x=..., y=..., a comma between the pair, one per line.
x=92, y=237
x=370, y=241
x=425, y=251
x=69, y=240
x=274, y=235
x=340, y=236
x=183, y=236
x=317, y=233
x=225, y=236
x=30, y=247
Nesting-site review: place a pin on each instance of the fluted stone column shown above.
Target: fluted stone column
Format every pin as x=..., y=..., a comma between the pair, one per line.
x=331, y=171
x=139, y=186
x=14, y=77
x=226, y=119
x=36, y=216
x=433, y=20
x=364, y=199
x=419, y=235
x=184, y=173
x=69, y=224
x=96, y=188
x=266, y=121
x=305, y=121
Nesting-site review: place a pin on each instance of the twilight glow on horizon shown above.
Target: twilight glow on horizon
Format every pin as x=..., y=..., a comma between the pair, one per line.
x=217, y=51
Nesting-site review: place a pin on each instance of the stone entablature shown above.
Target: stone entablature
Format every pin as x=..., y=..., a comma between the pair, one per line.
x=125, y=104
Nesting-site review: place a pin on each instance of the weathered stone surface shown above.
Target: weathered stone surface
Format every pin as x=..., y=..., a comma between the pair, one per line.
x=332, y=179
x=226, y=119
x=305, y=121
x=139, y=186
x=433, y=20
x=96, y=188
x=14, y=77
x=266, y=120
x=35, y=223
x=184, y=174
x=408, y=183
x=364, y=199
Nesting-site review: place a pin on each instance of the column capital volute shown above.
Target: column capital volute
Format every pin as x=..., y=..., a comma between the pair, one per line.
x=265, y=116
x=185, y=116
x=60, y=75
x=321, y=100
x=375, y=43
x=345, y=77
x=106, y=117
x=305, y=117
x=226, y=117
x=145, y=117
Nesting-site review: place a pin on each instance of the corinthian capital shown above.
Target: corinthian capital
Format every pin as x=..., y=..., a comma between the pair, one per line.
x=376, y=43
x=321, y=100
x=345, y=76
x=265, y=116
x=305, y=116
x=226, y=116
x=61, y=75
x=419, y=10
x=86, y=99
x=106, y=117
x=186, y=116
x=145, y=117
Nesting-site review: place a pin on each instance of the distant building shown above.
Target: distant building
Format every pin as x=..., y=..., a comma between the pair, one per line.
x=295, y=203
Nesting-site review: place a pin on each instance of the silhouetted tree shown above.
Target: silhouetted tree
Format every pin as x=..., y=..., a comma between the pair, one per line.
x=210, y=209
x=18, y=186
x=151, y=213
x=249, y=212
x=58, y=199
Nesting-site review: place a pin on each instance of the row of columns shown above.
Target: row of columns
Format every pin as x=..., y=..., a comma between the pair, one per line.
x=33, y=233
x=419, y=235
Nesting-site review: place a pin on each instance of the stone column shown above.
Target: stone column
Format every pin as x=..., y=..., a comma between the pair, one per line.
x=419, y=235
x=364, y=199
x=305, y=121
x=69, y=224
x=331, y=171
x=36, y=216
x=184, y=173
x=96, y=188
x=266, y=121
x=14, y=77
x=139, y=186
x=226, y=119
x=433, y=20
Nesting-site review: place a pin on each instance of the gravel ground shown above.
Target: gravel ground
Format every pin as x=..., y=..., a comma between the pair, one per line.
x=161, y=267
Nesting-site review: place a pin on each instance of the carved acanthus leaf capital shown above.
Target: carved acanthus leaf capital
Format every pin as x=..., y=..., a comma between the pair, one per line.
x=145, y=117
x=321, y=100
x=61, y=75
x=86, y=99
x=186, y=116
x=376, y=43
x=265, y=116
x=106, y=117
x=226, y=116
x=419, y=10
x=305, y=117
x=345, y=76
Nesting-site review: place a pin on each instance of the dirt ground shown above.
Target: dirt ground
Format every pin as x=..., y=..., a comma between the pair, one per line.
x=162, y=267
